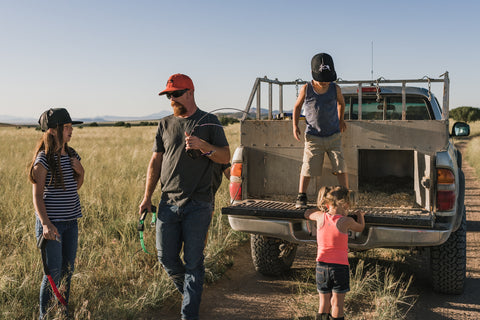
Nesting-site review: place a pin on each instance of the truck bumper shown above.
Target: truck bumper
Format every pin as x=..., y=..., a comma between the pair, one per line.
x=299, y=231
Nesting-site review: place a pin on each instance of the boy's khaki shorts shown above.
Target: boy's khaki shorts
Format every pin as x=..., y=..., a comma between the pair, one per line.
x=314, y=151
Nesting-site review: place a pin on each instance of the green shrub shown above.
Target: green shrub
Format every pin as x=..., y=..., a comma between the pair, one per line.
x=465, y=114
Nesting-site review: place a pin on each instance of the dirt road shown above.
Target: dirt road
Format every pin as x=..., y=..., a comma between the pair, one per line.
x=243, y=294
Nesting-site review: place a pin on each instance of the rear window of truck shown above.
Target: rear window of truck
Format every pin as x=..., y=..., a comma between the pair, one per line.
x=389, y=108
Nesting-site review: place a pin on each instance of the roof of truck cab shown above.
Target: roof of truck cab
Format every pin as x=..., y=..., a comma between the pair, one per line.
x=386, y=90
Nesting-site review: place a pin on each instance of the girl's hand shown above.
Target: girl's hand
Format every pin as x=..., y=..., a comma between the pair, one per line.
x=77, y=166
x=359, y=213
x=50, y=232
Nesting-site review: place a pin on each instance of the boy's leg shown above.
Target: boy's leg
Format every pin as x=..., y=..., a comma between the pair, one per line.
x=335, y=154
x=343, y=179
x=313, y=154
x=303, y=184
x=301, y=202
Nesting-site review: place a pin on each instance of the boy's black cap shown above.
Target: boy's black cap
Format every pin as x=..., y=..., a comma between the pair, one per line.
x=55, y=116
x=323, y=69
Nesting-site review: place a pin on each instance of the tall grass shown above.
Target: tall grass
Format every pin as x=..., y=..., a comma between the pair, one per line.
x=473, y=148
x=113, y=278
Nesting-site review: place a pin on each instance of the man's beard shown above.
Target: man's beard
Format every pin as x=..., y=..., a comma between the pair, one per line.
x=178, y=108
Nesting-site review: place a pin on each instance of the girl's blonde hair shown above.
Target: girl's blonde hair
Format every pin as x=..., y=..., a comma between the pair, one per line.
x=333, y=196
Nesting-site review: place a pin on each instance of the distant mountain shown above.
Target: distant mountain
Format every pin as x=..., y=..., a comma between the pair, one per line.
x=16, y=120
x=33, y=121
x=153, y=116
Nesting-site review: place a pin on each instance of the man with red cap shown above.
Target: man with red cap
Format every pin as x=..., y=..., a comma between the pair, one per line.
x=187, y=145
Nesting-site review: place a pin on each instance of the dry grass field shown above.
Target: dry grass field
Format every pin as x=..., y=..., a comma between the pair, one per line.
x=473, y=149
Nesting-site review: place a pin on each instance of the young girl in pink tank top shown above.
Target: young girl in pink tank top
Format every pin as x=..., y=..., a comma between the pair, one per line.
x=332, y=272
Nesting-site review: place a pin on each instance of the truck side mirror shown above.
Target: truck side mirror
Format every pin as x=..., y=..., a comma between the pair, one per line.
x=460, y=129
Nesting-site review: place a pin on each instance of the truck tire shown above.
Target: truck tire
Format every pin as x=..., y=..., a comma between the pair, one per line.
x=272, y=256
x=448, y=261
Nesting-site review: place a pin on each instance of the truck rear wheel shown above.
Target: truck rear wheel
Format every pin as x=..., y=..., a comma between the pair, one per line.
x=272, y=256
x=448, y=261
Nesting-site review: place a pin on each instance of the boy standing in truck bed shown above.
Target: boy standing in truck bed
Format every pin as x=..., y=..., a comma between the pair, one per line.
x=324, y=109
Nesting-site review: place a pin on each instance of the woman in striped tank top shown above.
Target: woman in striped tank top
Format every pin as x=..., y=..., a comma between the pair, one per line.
x=332, y=272
x=56, y=174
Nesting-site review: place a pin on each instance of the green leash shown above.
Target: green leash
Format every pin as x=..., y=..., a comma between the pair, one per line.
x=141, y=226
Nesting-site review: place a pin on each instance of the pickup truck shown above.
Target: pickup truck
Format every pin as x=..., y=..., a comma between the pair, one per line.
x=402, y=165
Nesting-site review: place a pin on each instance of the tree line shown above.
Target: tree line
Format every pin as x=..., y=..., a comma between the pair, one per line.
x=465, y=114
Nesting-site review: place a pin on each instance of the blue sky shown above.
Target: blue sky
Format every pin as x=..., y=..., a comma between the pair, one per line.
x=113, y=57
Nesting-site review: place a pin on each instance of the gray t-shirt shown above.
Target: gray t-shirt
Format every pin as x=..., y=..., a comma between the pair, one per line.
x=182, y=177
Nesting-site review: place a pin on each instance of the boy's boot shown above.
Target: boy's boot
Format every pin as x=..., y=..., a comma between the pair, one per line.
x=339, y=318
x=301, y=202
x=322, y=316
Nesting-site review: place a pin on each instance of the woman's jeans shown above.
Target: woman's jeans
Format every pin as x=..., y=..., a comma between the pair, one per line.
x=60, y=258
x=187, y=226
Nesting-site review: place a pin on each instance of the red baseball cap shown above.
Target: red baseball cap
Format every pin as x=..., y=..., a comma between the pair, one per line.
x=178, y=82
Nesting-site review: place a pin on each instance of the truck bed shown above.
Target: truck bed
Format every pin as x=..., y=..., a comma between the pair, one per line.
x=264, y=209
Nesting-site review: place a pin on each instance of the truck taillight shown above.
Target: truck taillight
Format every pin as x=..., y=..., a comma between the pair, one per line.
x=236, y=170
x=445, y=176
x=236, y=181
x=445, y=200
x=445, y=190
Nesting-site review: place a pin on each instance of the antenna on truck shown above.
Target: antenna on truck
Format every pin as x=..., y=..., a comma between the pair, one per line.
x=372, y=63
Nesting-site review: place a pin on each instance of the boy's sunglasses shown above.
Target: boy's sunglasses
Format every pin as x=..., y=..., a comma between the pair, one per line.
x=175, y=94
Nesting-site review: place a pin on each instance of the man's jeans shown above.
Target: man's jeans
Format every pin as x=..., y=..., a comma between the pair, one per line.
x=60, y=260
x=186, y=225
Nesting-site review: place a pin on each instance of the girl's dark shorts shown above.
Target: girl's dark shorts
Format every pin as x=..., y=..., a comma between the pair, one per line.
x=332, y=277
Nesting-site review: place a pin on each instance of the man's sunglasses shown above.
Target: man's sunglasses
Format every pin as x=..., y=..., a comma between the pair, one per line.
x=175, y=94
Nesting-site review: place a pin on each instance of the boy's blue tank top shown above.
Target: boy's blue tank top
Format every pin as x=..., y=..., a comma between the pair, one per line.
x=321, y=113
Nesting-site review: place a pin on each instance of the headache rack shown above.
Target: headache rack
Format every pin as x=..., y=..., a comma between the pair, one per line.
x=256, y=92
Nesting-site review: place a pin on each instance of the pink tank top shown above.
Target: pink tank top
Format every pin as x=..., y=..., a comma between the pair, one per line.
x=332, y=243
